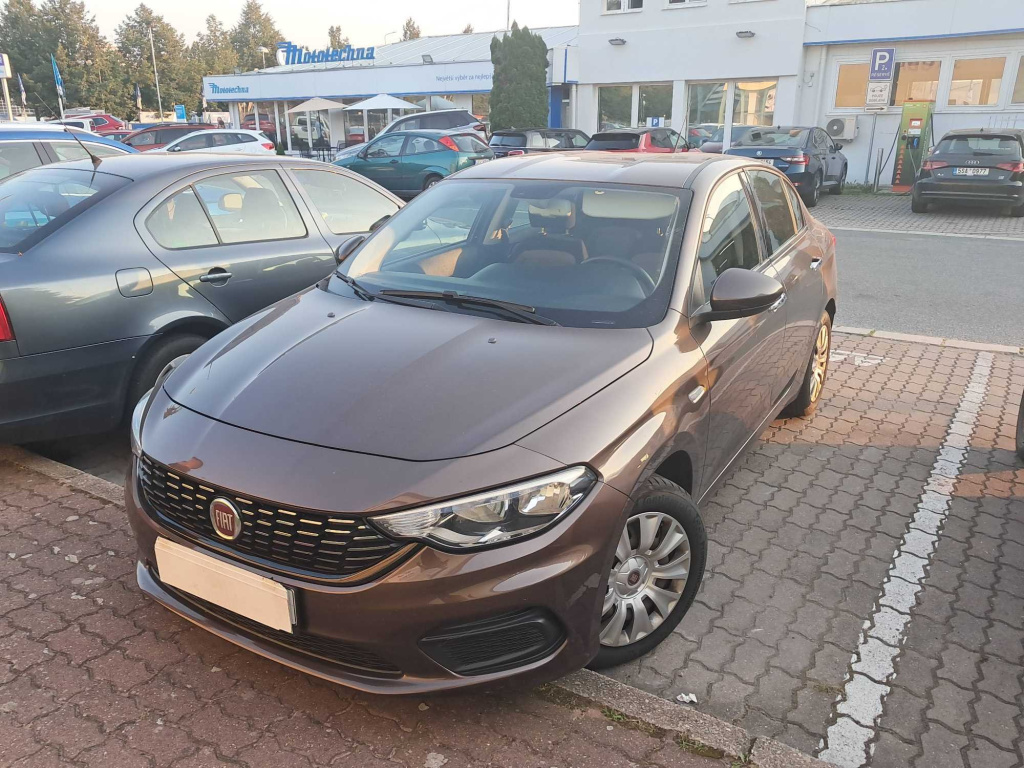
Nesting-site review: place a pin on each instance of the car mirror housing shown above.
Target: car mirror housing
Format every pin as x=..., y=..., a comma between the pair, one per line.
x=345, y=249
x=740, y=293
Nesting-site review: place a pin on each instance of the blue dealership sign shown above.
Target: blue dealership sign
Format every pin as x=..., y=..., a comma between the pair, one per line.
x=179, y=112
x=883, y=62
x=290, y=53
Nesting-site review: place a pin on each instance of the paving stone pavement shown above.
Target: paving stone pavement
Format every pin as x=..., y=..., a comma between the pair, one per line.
x=802, y=536
x=94, y=674
x=892, y=213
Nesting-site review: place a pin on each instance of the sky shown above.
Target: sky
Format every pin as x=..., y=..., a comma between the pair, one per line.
x=305, y=22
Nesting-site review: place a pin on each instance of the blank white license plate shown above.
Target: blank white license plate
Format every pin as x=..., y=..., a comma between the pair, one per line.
x=481, y=160
x=970, y=171
x=255, y=597
x=766, y=161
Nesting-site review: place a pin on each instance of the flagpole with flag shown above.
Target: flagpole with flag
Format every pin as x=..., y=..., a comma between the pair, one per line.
x=21, y=87
x=138, y=100
x=59, y=82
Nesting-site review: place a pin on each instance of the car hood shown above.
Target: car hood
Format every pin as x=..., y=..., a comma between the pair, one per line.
x=397, y=381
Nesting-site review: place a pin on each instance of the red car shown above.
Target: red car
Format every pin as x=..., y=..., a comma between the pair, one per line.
x=266, y=123
x=161, y=134
x=638, y=140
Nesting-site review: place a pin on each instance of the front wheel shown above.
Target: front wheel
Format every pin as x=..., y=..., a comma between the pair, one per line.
x=807, y=397
x=430, y=181
x=152, y=365
x=840, y=186
x=658, y=567
x=917, y=205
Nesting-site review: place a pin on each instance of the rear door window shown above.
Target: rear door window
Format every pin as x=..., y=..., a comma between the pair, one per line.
x=250, y=206
x=345, y=204
x=17, y=156
x=167, y=135
x=72, y=150
x=145, y=139
x=770, y=192
x=194, y=142
x=179, y=222
x=420, y=145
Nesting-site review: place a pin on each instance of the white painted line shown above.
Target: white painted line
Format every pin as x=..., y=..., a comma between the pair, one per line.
x=874, y=663
x=1009, y=238
x=936, y=341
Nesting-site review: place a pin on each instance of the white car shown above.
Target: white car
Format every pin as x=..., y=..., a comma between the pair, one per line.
x=234, y=140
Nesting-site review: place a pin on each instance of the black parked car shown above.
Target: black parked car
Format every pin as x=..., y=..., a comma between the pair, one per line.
x=808, y=156
x=529, y=141
x=974, y=165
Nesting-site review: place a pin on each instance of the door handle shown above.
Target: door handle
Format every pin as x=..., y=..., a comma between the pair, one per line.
x=216, y=275
x=778, y=303
x=394, y=162
x=816, y=262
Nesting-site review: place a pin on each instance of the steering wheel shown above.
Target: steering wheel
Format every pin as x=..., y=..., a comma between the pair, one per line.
x=647, y=284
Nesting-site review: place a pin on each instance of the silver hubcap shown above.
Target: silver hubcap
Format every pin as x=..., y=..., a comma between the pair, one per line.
x=652, y=564
x=820, y=364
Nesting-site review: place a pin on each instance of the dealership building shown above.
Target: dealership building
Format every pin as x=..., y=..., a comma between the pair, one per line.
x=690, y=63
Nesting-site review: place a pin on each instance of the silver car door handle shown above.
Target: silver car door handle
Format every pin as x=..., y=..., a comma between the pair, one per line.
x=778, y=303
x=816, y=263
x=215, y=277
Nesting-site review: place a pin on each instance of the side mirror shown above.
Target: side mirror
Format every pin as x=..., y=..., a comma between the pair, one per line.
x=361, y=154
x=175, y=149
x=838, y=145
x=345, y=249
x=741, y=293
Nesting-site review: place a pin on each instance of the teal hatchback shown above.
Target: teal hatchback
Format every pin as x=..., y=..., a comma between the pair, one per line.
x=408, y=162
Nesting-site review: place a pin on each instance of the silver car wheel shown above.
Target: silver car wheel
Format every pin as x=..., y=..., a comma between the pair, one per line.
x=820, y=363
x=648, y=577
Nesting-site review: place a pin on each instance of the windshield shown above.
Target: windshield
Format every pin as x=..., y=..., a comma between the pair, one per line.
x=36, y=203
x=771, y=137
x=614, y=141
x=508, y=140
x=583, y=255
x=980, y=146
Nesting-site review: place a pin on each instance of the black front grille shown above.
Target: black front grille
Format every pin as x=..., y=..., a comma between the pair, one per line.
x=495, y=644
x=297, y=540
x=350, y=657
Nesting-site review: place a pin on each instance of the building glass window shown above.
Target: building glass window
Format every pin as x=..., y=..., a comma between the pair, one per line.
x=656, y=102
x=754, y=102
x=1018, y=89
x=976, y=82
x=915, y=81
x=705, y=104
x=614, y=106
x=617, y=6
x=852, y=86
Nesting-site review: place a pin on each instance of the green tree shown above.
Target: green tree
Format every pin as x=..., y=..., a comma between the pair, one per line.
x=468, y=30
x=410, y=30
x=212, y=53
x=334, y=37
x=179, y=80
x=254, y=29
x=519, y=94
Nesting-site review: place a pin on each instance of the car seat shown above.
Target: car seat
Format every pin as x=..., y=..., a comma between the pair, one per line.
x=554, y=246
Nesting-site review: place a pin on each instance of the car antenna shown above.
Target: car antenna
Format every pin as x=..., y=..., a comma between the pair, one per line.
x=95, y=159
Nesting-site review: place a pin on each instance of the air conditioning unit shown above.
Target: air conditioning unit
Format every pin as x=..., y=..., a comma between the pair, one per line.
x=842, y=128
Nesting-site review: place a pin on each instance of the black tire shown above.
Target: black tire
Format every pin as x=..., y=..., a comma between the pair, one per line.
x=155, y=360
x=1020, y=430
x=840, y=186
x=430, y=181
x=808, y=396
x=917, y=205
x=811, y=198
x=660, y=495
x=1018, y=211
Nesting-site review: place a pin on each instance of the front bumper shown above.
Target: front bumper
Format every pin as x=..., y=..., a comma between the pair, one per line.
x=558, y=576
x=968, y=189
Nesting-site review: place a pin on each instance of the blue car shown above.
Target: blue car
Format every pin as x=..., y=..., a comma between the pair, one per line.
x=808, y=156
x=29, y=145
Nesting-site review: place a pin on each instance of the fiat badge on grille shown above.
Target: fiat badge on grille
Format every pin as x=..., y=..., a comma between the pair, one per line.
x=225, y=518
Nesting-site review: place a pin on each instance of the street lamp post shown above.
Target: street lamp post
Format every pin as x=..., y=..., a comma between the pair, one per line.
x=156, y=76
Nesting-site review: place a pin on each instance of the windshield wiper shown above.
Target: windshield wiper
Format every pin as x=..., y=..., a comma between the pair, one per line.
x=523, y=312
x=357, y=289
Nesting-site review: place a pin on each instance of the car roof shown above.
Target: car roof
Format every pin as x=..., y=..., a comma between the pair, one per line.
x=10, y=133
x=1018, y=132
x=672, y=170
x=143, y=165
x=638, y=131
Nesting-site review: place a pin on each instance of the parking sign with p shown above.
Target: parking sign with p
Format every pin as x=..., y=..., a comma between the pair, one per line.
x=883, y=61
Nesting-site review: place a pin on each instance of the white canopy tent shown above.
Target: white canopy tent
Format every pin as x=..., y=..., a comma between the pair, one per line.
x=312, y=105
x=382, y=101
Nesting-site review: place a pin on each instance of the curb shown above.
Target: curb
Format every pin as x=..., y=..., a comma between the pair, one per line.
x=698, y=727
x=962, y=235
x=937, y=341
x=707, y=731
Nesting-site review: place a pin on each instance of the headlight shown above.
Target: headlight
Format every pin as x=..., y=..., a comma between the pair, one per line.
x=493, y=517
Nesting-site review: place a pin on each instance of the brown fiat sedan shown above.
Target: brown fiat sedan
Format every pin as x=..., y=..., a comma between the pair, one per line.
x=478, y=449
